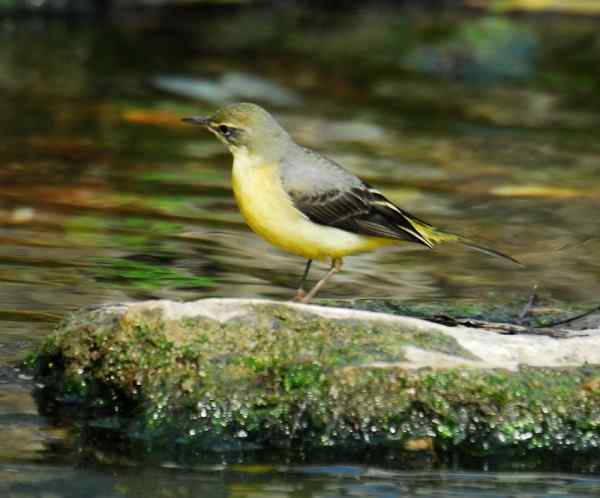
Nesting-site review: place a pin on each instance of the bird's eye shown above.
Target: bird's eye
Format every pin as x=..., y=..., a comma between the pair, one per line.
x=224, y=130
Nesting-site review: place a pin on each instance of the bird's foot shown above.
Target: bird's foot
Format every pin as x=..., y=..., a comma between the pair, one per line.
x=299, y=296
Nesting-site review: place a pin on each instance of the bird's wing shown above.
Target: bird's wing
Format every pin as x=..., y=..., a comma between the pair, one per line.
x=360, y=209
x=330, y=195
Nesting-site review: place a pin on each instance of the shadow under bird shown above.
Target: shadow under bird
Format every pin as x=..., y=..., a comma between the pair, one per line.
x=307, y=204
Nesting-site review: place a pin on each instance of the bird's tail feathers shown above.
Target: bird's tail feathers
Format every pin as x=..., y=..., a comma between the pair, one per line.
x=436, y=236
x=486, y=250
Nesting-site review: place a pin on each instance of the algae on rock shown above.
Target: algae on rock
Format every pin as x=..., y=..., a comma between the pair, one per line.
x=233, y=374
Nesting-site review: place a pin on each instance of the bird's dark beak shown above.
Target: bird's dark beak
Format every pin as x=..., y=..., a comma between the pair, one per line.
x=197, y=120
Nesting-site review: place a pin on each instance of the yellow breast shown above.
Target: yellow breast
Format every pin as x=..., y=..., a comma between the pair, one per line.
x=269, y=211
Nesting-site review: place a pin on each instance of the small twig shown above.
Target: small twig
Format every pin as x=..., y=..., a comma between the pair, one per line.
x=573, y=318
x=573, y=245
x=503, y=328
x=533, y=297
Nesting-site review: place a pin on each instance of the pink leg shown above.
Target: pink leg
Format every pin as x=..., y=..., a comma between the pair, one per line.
x=336, y=266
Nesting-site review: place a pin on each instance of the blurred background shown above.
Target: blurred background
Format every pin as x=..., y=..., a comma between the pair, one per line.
x=480, y=116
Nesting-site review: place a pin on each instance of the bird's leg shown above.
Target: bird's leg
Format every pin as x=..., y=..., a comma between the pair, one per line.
x=336, y=266
x=300, y=292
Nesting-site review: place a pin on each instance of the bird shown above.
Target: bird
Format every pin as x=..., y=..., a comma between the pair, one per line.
x=307, y=204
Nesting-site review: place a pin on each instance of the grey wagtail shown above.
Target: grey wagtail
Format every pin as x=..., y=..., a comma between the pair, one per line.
x=306, y=204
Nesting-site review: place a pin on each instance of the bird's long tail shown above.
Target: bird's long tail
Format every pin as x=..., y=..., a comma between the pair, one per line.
x=486, y=250
x=434, y=236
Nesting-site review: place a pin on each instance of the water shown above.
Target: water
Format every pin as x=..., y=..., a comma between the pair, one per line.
x=279, y=482
x=105, y=196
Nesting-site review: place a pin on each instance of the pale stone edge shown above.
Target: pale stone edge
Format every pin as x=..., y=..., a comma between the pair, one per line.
x=492, y=349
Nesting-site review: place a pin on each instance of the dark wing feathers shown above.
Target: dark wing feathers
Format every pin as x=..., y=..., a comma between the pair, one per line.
x=361, y=210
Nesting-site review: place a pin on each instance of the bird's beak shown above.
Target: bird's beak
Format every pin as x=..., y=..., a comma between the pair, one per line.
x=197, y=120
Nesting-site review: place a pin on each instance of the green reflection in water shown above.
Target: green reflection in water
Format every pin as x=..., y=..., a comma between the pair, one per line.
x=144, y=276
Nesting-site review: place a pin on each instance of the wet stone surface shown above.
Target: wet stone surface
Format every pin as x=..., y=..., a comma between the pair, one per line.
x=222, y=375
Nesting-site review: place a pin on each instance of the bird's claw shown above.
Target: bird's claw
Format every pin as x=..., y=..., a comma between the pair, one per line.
x=299, y=296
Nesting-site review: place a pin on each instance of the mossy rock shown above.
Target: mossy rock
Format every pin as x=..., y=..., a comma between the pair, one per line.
x=221, y=375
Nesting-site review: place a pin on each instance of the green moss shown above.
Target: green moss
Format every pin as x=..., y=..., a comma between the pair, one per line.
x=506, y=312
x=278, y=377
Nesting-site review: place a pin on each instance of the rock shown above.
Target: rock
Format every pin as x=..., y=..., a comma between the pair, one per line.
x=232, y=374
x=478, y=52
x=229, y=88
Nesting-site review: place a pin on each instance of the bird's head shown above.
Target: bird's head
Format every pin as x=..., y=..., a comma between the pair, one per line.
x=246, y=128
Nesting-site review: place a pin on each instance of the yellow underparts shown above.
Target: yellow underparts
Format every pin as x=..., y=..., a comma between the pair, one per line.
x=269, y=211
